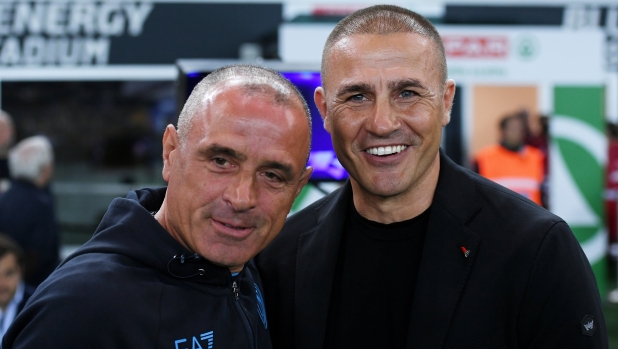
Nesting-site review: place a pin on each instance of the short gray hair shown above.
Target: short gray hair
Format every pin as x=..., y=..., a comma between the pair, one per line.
x=384, y=20
x=253, y=80
x=29, y=157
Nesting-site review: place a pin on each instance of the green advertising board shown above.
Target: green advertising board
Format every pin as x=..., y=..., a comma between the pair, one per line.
x=578, y=154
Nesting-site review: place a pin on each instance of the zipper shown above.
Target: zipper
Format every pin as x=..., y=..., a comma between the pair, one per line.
x=244, y=316
x=235, y=289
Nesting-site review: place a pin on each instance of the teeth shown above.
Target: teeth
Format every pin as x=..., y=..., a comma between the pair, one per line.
x=389, y=150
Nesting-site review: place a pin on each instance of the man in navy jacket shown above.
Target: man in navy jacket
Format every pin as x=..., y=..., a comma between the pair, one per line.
x=415, y=251
x=169, y=267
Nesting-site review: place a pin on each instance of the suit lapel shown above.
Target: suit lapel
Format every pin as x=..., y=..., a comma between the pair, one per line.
x=444, y=265
x=314, y=279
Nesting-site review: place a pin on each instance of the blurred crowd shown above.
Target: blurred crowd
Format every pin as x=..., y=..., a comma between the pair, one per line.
x=29, y=234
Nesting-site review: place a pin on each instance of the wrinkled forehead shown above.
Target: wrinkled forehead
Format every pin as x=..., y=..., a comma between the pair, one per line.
x=250, y=106
x=376, y=52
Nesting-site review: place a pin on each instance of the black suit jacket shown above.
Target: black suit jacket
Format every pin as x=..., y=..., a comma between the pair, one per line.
x=28, y=292
x=525, y=283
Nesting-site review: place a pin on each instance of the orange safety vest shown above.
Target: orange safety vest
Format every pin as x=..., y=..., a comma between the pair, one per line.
x=522, y=171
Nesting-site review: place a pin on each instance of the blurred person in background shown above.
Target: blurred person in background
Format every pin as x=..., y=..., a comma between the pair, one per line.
x=27, y=211
x=7, y=135
x=14, y=292
x=511, y=163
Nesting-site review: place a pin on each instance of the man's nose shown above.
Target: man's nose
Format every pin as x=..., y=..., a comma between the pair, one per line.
x=242, y=192
x=384, y=120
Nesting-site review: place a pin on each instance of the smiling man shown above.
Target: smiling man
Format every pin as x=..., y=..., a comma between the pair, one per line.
x=415, y=251
x=170, y=267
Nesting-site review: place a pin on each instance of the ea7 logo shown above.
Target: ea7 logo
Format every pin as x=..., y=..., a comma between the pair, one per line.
x=205, y=338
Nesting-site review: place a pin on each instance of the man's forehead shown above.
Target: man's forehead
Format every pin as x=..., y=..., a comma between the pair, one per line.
x=247, y=85
x=9, y=259
x=248, y=123
x=412, y=43
x=362, y=58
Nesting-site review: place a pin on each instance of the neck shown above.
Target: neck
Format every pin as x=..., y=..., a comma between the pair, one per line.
x=162, y=217
x=400, y=207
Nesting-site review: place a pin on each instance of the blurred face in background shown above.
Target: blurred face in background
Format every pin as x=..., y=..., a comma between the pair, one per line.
x=10, y=276
x=514, y=133
x=6, y=135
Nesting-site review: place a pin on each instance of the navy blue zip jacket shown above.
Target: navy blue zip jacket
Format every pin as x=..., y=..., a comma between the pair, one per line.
x=134, y=286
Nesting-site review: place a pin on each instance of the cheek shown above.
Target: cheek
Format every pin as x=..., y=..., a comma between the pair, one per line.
x=277, y=206
x=346, y=124
x=425, y=119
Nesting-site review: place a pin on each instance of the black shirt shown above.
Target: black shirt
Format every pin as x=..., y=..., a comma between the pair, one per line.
x=374, y=283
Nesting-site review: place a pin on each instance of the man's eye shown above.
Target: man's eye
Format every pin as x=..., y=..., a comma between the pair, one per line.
x=407, y=93
x=220, y=161
x=271, y=176
x=357, y=98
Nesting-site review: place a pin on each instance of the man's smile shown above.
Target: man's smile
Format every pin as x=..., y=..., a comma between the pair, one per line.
x=387, y=150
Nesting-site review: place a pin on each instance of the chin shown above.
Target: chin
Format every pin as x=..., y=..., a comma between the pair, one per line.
x=384, y=189
x=230, y=261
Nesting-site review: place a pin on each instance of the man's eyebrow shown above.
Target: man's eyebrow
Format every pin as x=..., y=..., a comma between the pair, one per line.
x=352, y=88
x=285, y=168
x=403, y=83
x=216, y=149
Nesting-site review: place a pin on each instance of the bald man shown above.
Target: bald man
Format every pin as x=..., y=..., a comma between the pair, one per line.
x=170, y=267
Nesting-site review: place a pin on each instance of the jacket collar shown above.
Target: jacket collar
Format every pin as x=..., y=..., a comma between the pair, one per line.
x=442, y=275
x=318, y=250
x=448, y=255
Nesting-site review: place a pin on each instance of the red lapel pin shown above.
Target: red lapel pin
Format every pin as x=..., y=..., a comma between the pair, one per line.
x=465, y=251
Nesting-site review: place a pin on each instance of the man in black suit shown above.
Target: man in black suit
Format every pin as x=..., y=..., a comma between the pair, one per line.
x=415, y=251
x=14, y=293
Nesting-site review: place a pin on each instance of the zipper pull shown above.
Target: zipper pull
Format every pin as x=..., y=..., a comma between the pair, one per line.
x=235, y=289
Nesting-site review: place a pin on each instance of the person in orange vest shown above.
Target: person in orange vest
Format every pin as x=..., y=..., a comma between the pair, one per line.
x=512, y=163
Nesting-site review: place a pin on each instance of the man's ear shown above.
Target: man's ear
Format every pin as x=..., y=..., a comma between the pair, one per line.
x=447, y=99
x=170, y=145
x=319, y=97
